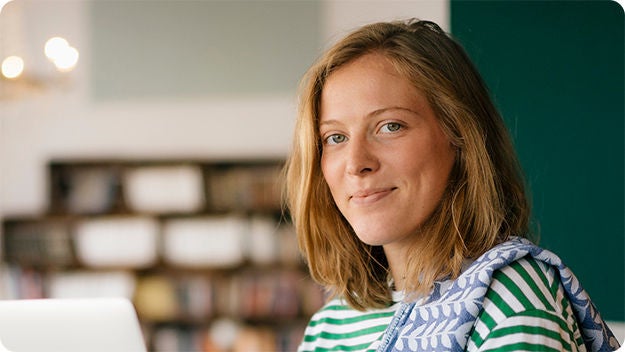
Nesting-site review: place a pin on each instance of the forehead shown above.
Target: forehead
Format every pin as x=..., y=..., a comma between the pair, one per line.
x=367, y=83
x=370, y=62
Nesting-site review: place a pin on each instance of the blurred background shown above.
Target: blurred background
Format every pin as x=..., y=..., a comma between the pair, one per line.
x=139, y=149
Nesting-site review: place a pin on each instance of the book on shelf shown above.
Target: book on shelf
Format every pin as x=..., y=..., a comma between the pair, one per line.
x=189, y=298
x=156, y=299
x=84, y=189
x=259, y=295
x=18, y=282
x=227, y=335
x=42, y=242
x=242, y=188
x=197, y=245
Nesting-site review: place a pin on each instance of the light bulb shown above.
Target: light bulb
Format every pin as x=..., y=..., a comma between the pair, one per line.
x=67, y=60
x=12, y=67
x=55, y=47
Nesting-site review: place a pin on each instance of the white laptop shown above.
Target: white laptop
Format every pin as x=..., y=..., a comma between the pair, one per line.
x=70, y=325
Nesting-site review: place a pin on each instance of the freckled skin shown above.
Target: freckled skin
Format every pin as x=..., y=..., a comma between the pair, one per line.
x=385, y=157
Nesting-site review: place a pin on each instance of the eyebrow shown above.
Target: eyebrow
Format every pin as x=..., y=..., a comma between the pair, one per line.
x=371, y=114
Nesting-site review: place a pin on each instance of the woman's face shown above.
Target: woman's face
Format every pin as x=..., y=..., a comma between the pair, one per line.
x=385, y=157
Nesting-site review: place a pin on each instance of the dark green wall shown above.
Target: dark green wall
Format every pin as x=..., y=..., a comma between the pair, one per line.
x=555, y=70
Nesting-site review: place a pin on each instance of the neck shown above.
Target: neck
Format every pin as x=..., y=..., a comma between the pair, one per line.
x=396, y=258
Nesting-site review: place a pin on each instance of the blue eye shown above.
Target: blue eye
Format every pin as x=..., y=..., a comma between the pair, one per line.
x=391, y=127
x=335, y=139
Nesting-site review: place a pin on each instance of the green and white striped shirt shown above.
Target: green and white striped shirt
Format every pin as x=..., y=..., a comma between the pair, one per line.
x=339, y=327
x=524, y=309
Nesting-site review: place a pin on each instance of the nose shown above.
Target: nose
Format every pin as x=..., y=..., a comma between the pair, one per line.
x=361, y=158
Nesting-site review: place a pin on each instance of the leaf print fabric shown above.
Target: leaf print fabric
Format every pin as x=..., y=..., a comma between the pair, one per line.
x=444, y=320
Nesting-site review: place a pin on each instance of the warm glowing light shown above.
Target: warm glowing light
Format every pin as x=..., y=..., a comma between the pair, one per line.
x=67, y=61
x=63, y=56
x=55, y=47
x=12, y=67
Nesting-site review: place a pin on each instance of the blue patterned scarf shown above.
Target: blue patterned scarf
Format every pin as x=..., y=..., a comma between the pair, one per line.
x=443, y=321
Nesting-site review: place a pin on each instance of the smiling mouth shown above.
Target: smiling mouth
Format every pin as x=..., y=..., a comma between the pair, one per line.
x=371, y=195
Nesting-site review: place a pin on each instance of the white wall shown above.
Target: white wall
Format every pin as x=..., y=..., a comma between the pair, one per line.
x=64, y=122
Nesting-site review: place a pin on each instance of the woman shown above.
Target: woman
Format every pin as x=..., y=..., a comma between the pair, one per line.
x=410, y=207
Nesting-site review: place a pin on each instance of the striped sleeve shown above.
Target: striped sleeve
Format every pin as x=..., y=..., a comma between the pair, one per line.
x=525, y=310
x=338, y=327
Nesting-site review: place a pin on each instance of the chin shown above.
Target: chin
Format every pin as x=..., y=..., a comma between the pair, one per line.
x=372, y=233
x=373, y=238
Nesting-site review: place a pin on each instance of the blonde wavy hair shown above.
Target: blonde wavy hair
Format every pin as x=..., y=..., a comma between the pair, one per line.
x=484, y=203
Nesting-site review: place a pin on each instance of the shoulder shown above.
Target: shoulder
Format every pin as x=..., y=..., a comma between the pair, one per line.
x=337, y=325
x=526, y=304
x=525, y=284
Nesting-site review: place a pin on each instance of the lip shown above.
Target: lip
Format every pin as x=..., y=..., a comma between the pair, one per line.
x=371, y=195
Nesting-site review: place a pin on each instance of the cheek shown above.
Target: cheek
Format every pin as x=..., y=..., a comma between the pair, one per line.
x=446, y=157
x=441, y=170
x=431, y=165
x=324, y=166
x=326, y=170
x=331, y=174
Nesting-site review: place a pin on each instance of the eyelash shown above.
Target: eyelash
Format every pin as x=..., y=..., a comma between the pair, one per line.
x=399, y=126
x=329, y=139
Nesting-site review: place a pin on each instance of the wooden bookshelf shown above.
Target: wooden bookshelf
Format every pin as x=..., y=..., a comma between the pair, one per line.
x=201, y=246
